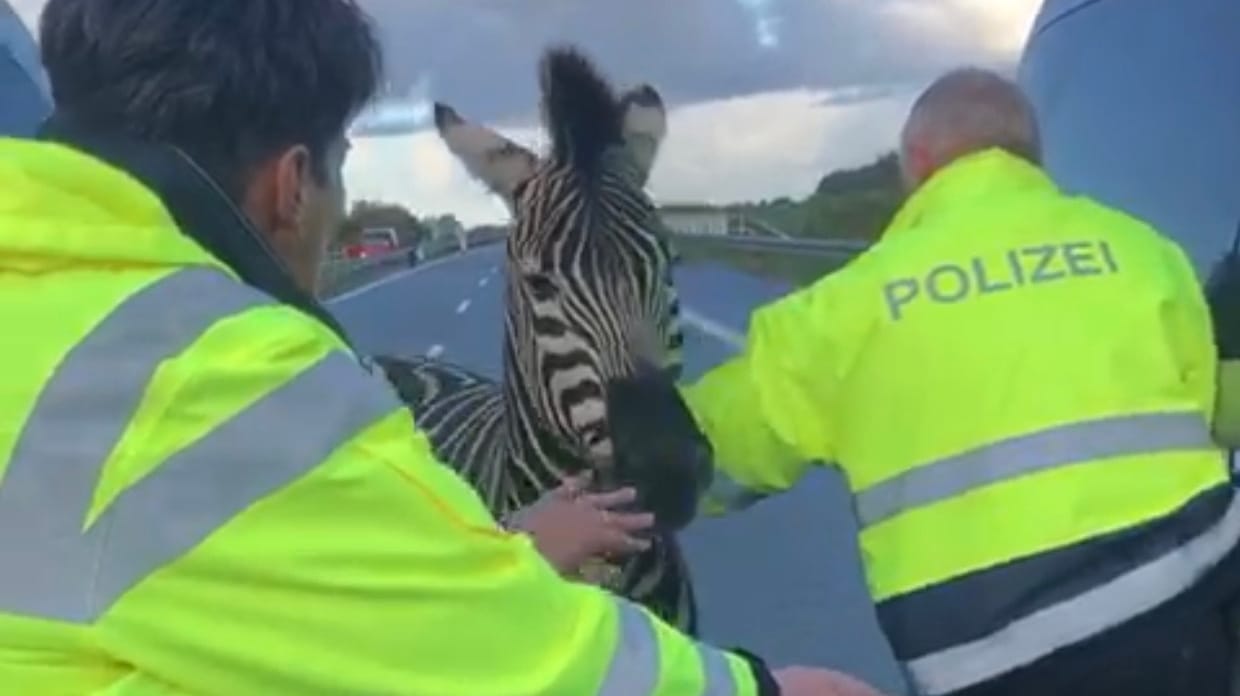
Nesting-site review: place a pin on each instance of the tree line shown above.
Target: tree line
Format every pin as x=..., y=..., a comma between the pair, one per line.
x=410, y=229
x=852, y=203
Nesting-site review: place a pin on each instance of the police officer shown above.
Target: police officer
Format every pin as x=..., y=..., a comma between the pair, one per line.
x=203, y=491
x=1017, y=384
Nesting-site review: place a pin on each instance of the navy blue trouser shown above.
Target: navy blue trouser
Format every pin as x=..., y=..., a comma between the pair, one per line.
x=1161, y=658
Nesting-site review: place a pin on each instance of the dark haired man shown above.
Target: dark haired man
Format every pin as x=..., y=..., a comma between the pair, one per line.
x=203, y=492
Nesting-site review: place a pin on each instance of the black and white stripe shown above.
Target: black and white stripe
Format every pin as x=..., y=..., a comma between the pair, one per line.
x=589, y=299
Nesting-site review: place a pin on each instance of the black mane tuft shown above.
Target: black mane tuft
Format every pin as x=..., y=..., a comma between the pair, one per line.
x=582, y=112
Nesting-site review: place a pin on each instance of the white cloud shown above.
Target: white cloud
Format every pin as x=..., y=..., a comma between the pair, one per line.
x=978, y=27
x=1003, y=24
x=744, y=148
x=29, y=11
x=418, y=171
x=770, y=145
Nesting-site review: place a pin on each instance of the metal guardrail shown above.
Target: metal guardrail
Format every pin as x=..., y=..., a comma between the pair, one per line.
x=798, y=261
x=785, y=245
x=340, y=274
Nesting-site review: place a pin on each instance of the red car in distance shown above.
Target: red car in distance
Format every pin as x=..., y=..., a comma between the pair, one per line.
x=374, y=242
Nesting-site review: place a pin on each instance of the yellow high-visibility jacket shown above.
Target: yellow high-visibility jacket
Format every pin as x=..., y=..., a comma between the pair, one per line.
x=203, y=492
x=1017, y=385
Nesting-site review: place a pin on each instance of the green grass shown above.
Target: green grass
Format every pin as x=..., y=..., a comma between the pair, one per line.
x=796, y=269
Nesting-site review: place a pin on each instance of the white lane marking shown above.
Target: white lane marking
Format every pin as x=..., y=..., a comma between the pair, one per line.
x=482, y=282
x=403, y=274
x=716, y=330
x=464, y=305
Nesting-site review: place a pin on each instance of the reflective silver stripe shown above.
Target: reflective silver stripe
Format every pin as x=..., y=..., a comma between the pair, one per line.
x=719, y=681
x=52, y=568
x=635, y=664
x=726, y=492
x=634, y=668
x=1081, y=617
x=77, y=421
x=1027, y=454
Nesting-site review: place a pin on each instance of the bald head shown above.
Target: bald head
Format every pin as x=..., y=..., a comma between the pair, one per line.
x=966, y=111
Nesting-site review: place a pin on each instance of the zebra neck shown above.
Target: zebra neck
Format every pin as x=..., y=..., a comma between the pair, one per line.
x=538, y=457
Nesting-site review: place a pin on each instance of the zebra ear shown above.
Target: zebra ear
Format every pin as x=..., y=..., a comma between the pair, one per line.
x=488, y=156
x=645, y=124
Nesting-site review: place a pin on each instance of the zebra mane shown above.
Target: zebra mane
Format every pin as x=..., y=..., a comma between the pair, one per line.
x=580, y=109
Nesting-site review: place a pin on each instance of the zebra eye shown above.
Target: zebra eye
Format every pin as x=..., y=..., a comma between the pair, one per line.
x=541, y=285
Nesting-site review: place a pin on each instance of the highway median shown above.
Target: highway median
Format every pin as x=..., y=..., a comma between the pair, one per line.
x=797, y=261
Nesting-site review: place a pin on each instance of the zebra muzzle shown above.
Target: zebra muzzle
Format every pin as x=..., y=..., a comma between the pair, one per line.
x=658, y=448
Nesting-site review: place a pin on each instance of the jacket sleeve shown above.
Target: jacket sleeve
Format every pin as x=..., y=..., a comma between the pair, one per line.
x=1227, y=406
x=1191, y=329
x=373, y=570
x=768, y=412
x=1223, y=296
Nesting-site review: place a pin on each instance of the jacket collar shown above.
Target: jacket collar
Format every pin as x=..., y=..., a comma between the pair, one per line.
x=201, y=210
x=985, y=174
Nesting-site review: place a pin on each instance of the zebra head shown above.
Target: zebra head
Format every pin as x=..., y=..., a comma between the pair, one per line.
x=591, y=301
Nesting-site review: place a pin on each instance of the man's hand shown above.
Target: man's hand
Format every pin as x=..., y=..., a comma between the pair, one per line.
x=812, y=681
x=570, y=527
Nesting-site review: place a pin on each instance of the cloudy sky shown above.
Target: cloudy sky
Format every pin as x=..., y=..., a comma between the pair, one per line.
x=765, y=95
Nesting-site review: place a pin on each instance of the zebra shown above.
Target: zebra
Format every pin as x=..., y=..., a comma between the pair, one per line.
x=591, y=318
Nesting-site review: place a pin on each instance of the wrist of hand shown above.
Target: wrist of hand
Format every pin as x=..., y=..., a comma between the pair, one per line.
x=762, y=676
x=513, y=521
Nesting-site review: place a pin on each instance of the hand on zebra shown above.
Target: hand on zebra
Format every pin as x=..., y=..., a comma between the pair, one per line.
x=570, y=527
x=814, y=681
